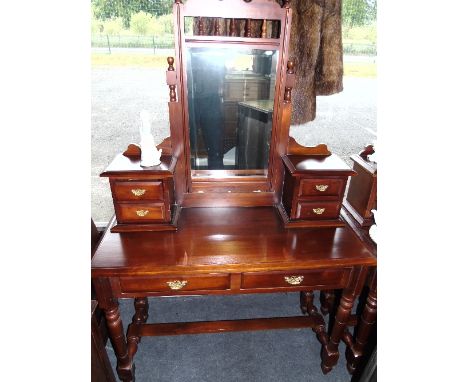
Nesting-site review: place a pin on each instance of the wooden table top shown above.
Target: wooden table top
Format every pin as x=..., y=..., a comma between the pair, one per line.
x=228, y=240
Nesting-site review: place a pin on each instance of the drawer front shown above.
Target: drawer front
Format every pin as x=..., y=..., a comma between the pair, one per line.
x=321, y=187
x=216, y=281
x=332, y=278
x=318, y=210
x=138, y=191
x=140, y=213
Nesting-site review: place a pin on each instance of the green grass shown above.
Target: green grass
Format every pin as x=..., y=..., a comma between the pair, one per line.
x=353, y=69
x=128, y=60
x=360, y=69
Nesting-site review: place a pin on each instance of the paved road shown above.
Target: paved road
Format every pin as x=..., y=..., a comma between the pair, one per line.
x=345, y=121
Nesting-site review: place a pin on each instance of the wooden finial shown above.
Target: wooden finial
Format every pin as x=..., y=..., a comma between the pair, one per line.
x=232, y=28
x=201, y=26
x=171, y=77
x=170, y=61
x=264, y=28
x=286, y=4
x=178, y=1
x=289, y=81
x=248, y=28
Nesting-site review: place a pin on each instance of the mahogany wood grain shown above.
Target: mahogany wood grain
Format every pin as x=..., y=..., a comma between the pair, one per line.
x=182, y=328
x=223, y=240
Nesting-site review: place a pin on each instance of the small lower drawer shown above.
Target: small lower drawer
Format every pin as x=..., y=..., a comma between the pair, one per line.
x=317, y=210
x=215, y=281
x=142, y=212
x=333, y=278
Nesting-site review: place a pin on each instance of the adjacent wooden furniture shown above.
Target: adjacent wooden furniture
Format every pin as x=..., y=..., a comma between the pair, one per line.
x=101, y=369
x=240, y=88
x=254, y=132
x=181, y=229
x=362, y=193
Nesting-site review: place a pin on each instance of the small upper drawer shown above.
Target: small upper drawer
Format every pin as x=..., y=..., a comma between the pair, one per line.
x=333, y=278
x=318, y=210
x=140, y=213
x=138, y=190
x=215, y=281
x=325, y=187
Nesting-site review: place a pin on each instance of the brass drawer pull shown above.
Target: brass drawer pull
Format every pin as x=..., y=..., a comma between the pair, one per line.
x=138, y=192
x=318, y=211
x=294, y=280
x=142, y=212
x=175, y=285
x=321, y=187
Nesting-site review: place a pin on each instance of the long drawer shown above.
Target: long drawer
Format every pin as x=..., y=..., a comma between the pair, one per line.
x=215, y=281
x=333, y=278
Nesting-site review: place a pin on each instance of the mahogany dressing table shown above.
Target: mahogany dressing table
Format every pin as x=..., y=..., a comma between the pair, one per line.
x=203, y=224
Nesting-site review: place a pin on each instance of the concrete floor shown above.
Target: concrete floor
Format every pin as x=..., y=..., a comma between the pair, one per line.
x=346, y=122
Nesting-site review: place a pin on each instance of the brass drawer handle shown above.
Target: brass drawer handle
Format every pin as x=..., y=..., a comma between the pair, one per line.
x=318, y=211
x=294, y=280
x=138, y=192
x=142, y=212
x=175, y=285
x=321, y=187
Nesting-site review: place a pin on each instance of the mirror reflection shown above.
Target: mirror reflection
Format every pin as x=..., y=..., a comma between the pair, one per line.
x=231, y=93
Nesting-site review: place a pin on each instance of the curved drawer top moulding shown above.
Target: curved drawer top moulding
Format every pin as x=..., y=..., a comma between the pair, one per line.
x=256, y=9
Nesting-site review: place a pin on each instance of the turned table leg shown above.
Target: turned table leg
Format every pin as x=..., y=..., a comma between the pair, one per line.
x=110, y=306
x=330, y=352
x=364, y=328
x=327, y=301
x=140, y=317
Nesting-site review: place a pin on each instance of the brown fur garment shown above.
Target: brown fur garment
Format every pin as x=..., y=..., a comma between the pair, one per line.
x=315, y=46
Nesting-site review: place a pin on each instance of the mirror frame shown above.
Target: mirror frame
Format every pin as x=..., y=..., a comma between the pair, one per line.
x=218, y=188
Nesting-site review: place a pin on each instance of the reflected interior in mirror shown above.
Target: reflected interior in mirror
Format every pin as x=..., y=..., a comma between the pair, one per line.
x=231, y=95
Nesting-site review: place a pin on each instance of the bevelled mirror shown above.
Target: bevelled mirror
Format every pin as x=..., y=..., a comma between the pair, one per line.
x=230, y=97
